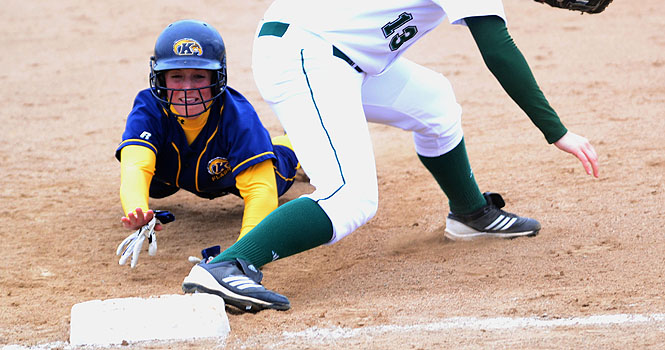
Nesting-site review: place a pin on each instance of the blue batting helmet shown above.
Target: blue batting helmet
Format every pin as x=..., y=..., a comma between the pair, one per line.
x=188, y=44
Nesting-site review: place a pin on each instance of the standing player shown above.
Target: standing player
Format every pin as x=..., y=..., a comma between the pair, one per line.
x=327, y=68
x=190, y=130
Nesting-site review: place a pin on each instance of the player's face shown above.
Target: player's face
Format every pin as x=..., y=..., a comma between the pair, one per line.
x=186, y=101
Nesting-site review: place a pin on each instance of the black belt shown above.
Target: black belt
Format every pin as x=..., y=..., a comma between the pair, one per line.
x=278, y=29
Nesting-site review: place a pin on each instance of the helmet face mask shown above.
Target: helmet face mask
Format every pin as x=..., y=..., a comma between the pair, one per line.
x=188, y=44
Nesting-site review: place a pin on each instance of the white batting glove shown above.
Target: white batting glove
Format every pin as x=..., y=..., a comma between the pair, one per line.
x=132, y=245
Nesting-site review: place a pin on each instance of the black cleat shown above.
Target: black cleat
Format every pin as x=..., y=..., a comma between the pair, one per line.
x=490, y=221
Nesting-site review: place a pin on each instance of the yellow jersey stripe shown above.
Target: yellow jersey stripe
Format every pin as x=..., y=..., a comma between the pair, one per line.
x=250, y=159
x=198, y=162
x=177, y=176
x=147, y=144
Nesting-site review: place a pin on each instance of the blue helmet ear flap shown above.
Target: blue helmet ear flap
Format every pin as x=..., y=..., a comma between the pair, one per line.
x=157, y=83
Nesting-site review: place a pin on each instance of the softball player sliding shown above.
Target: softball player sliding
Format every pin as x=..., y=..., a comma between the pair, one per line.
x=190, y=130
x=327, y=68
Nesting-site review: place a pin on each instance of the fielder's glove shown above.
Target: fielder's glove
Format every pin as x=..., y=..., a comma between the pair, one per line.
x=132, y=245
x=584, y=6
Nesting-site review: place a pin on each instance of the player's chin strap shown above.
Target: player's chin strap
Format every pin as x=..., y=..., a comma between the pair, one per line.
x=132, y=245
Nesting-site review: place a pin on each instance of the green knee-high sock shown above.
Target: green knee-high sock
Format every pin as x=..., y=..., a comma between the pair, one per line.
x=453, y=173
x=294, y=227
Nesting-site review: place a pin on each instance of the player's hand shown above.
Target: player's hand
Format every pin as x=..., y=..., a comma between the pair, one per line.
x=137, y=219
x=132, y=245
x=581, y=148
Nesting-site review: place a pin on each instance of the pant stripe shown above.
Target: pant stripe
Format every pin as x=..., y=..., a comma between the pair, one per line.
x=302, y=60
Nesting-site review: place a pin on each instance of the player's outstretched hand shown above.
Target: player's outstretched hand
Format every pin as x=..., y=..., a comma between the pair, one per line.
x=580, y=147
x=138, y=219
x=131, y=246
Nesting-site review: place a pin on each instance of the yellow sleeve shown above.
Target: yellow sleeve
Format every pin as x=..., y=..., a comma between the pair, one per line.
x=137, y=167
x=258, y=188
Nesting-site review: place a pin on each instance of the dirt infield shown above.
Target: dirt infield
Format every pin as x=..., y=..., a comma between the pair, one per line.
x=592, y=278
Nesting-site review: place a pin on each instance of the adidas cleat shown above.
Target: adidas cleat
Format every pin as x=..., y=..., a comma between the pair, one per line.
x=490, y=221
x=237, y=282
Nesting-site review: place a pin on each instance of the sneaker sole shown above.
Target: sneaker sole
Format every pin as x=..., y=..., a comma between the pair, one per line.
x=457, y=231
x=207, y=284
x=479, y=235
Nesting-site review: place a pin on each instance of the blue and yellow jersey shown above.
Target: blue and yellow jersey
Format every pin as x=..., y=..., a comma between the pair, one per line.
x=224, y=150
x=232, y=140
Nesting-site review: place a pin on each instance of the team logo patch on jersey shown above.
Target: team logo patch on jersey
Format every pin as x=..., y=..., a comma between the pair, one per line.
x=187, y=47
x=218, y=167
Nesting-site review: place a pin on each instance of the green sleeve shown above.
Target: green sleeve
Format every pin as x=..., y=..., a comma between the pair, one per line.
x=510, y=68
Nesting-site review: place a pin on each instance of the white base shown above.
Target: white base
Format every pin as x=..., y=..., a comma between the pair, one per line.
x=166, y=317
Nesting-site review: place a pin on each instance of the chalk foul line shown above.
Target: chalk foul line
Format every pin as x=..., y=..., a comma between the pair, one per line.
x=316, y=334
